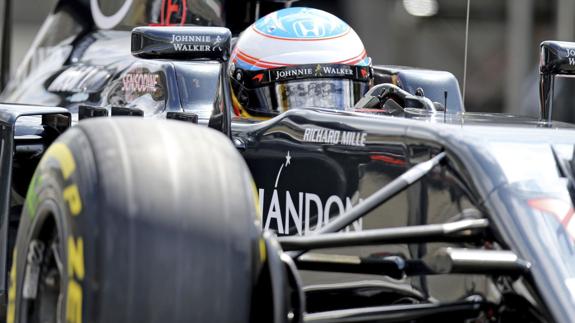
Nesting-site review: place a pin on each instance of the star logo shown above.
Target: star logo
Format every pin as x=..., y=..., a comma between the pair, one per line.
x=285, y=164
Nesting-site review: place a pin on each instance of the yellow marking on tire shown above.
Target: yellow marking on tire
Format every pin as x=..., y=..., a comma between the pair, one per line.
x=75, y=276
x=11, y=315
x=256, y=201
x=76, y=258
x=72, y=197
x=74, y=303
x=263, y=254
x=62, y=153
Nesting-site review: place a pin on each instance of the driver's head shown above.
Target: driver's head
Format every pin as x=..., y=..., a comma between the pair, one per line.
x=298, y=58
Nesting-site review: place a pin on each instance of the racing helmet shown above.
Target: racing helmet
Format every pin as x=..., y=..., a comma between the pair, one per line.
x=298, y=58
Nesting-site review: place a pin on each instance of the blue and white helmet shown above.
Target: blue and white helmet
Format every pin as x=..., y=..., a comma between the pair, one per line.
x=298, y=58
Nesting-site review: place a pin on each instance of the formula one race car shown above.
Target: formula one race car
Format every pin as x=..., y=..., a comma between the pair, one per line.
x=396, y=205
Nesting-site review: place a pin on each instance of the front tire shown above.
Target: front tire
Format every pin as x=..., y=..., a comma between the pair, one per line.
x=132, y=220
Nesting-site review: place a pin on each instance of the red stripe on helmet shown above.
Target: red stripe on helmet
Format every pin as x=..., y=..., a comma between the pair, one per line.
x=267, y=64
x=356, y=59
x=258, y=62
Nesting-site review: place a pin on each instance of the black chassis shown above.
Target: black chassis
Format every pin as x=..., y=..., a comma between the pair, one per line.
x=312, y=165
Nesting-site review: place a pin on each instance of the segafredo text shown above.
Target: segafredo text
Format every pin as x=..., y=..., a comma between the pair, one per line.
x=140, y=82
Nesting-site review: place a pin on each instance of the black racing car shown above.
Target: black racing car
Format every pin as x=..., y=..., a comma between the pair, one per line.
x=407, y=208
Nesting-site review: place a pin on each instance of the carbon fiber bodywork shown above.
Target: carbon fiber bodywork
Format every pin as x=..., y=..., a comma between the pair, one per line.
x=312, y=165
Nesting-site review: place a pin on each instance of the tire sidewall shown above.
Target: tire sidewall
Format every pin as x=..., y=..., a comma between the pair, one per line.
x=193, y=257
x=56, y=193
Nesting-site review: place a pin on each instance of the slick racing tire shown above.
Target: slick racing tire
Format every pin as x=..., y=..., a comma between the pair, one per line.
x=133, y=220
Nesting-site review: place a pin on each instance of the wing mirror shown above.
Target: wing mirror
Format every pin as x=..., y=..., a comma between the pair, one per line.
x=191, y=43
x=185, y=43
x=557, y=59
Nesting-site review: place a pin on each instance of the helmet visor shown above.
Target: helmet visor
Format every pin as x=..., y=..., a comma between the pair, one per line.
x=339, y=94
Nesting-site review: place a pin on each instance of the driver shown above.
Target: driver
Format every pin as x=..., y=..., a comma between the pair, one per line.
x=298, y=58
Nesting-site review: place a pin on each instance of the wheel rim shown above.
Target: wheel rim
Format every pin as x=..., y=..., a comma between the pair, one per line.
x=43, y=292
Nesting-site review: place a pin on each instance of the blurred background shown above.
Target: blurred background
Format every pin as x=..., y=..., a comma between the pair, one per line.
x=504, y=37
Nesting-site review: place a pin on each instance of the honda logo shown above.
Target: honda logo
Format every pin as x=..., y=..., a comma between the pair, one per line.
x=309, y=29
